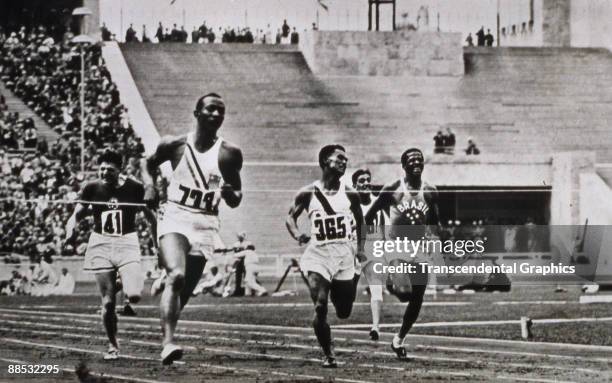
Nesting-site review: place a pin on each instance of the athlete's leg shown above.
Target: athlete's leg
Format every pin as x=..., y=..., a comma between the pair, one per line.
x=342, y=294
x=107, y=282
x=415, y=302
x=193, y=274
x=412, y=294
x=319, y=292
x=173, y=248
x=376, y=297
x=133, y=281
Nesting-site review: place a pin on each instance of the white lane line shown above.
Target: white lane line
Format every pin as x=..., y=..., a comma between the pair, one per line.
x=476, y=323
x=251, y=305
x=569, y=346
x=505, y=303
x=291, y=345
x=153, y=344
x=99, y=374
x=277, y=334
x=539, y=380
x=75, y=349
x=266, y=355
x=279, y=373
x=261, y=372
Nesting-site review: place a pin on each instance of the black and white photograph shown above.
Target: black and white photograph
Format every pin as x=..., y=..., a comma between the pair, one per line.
x=351, y=191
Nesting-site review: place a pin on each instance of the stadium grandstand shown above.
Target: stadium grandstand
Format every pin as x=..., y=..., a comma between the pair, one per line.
x=536, y=103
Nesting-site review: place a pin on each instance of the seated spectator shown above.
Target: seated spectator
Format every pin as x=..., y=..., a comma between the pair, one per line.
x=472, y=148
x=66, y=284
x=449, y=144
x=439, y=142
x=212, y=282
x=45, y=278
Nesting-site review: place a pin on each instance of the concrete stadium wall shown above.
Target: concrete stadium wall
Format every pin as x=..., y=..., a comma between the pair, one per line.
x=383, y=53
x=595, y=197
x=482, y=170
x=130, y=96
x=590, y=23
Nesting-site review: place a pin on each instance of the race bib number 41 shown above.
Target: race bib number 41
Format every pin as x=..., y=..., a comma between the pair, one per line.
x=111, y=222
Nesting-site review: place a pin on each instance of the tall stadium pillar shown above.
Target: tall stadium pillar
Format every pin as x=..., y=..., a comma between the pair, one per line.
x=565, y=200
x=92, y=22
x=556, y=19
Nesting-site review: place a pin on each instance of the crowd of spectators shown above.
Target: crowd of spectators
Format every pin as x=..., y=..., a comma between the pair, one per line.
x=45, y=75
x=208, y=35
x=482, y=39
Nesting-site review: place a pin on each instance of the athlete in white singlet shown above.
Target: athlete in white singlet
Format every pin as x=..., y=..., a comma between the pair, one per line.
x=329, y=259
x=362, y=182
x=413, y=212
x=206, y=170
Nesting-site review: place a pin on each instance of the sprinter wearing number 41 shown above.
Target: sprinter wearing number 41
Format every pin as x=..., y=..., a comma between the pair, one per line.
x=113, y=245
x=329, y=259
x=206, y=170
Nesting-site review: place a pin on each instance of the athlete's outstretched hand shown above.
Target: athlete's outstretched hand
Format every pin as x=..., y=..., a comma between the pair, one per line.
x=361, y=257
x=227, y=191
x=303, y=239
x=150, y=197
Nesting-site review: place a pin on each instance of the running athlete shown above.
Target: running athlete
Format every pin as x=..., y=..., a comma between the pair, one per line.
x=413, y=211
x=206, y=170
x=329, y=259
x=113, y=246
x=362, y=182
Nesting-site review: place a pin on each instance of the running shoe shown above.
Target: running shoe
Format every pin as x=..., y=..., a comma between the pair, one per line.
x=170, y=353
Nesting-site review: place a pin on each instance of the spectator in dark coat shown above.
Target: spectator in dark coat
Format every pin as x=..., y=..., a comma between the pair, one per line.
x=159, y=35
x=489, y=38
x=295, y=37
x=130, y=35
x=286, y=29
x=106, y=34
x=480, y=36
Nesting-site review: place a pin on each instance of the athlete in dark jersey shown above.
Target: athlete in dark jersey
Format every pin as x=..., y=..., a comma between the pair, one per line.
x=413, y=213
x=113, y=219
x=113, y=246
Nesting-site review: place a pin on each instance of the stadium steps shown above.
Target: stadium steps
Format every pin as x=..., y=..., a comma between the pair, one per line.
x=15, y=104
x=512, y=100
x=606, y=174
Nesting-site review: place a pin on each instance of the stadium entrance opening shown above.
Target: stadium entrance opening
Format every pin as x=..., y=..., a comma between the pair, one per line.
x=499, y=209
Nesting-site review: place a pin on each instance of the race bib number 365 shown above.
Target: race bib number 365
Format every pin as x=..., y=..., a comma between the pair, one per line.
x=111, y=222
x=330, y=228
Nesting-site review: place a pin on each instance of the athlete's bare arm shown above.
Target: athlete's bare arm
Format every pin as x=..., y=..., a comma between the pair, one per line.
x=230, y=164
x=150, y=216
x=353, y=197
x=300, y=203
x=383, y=202
x=433, y=217
x=170, y=148
x=80, y=211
